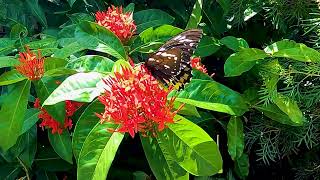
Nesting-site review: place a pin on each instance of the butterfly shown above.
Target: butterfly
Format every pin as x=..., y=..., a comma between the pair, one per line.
x=171, y=62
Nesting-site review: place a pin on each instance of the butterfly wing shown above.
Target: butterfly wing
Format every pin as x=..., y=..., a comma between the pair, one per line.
x=171, y=63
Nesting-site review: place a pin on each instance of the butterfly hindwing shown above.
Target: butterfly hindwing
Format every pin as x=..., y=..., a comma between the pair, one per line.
x=171, y=63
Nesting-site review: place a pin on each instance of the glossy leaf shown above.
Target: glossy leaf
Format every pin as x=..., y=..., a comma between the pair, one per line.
x=242, y=166
x=99, y=38
x=79, y=87
x=195, y=16
x=207, y=47
x=37, y=11
x=61, y=144
x=234, y=43
x=98, y=152
x=68, y=50
x=162, y=164
x=12, y=114
x=44, y=87
x=11, y=77
x=129, y=8
x=290, y=49
x=91, y=63
x=191, y=147
x=8, y=61
x=6, y=46
x=86, y=122
x=9, y=171
x=235, y=137
x=242, y=61
x=214, y=96
x=30, y=119
x=28, y=154
x=151, y=18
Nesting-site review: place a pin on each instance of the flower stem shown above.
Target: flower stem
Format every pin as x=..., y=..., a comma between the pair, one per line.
x=24, y=168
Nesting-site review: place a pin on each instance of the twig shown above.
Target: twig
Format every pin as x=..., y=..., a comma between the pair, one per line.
x=24, y=168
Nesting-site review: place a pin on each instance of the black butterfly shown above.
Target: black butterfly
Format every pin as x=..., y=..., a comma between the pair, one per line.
x=171, y=63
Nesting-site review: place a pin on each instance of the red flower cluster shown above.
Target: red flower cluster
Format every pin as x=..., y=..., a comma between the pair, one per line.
x=196, y=63
x=49, y=122
x=135, y=100
x=30, y=65
x=117, y=21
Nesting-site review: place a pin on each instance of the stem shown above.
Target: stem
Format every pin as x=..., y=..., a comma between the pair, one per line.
x=24, y=168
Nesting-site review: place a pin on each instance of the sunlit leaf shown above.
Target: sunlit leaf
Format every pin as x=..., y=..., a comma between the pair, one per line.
x=195, y=16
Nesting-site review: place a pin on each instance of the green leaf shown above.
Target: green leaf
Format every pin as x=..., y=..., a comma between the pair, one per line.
x=235, y=137
x=79, y=87
x=191, y=147
x=98, y=151
x=150, y=18
x=129, y=8
x=195, y=16
x=56, y=67
x=242, y=166
x=61, y=144
x=242, y=61
x=289, y=107
x=8, y=61
x=226, y=5
x=68, y=50
x=9, y=171
x=18, y=31
x=87, y=121
x=30, y=119
x=99, y=38
x=234, y=43
x=71, y=2
x=290, y=49
x=91, y=63
x=12, y=113
x=211, y=95
x=11, y=77
x=151, y=39
x=44, y=87
x=162, y=164
x=37, y=11
x=207, y=47
x=274, y=112
x=28, y=154
x=6, y=46
x=78, y=17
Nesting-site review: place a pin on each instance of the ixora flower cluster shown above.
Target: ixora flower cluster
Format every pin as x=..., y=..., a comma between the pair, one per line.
x=30, y=65
x=135, y=101
x=117, y=21
x=49, y=122
x=196, y=63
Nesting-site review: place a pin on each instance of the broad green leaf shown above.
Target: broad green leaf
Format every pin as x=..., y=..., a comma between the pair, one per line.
x=242, y=61
x=78, y=17
x=68, y=50
x=9, y=171
x=234, y=43
x=30, y=119
x=56, y=67
x=44, y=87
x=191, y=147
x=151, y=39
x=235, y=137
x=79, y=87
x=204, y=116
x=91, y=63
x=12, y=114
x=37, y=11
x=129, y=8
x=12, y=153
x=66, y=35
x=61, y=144
x=196, y=74
x=8, y=61
x=28, y=154
x=289, y=107
x=87, y=121
x=290, y=49
x=162, y=164
x=242, y=166
x=207, y=47
x=99, y=38
x=98, y=152
x=274, y=112
x=43, y=44
x=211, y=95
x=11, y=77
x=226, y=5
x=186, y=109
x=150, y=18
x=71, y=2
x=6, y=46
x=196, y=15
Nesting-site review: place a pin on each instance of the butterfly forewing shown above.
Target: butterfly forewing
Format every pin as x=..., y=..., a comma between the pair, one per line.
x=171, y=63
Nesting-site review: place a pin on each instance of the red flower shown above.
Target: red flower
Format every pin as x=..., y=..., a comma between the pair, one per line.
x=30, y=65
x=49, y=122
x=117, y=21
x=135, y=100
x=196, y=63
